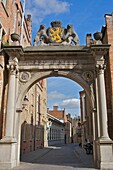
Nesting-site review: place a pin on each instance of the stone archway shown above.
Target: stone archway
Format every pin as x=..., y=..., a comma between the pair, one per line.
x=36, y=77
x=84, y=65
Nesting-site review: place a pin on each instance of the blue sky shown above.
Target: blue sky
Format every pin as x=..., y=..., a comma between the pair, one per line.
x=64, y=93
x=87, y=16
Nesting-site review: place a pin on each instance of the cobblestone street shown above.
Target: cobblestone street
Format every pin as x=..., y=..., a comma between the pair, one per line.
x=66, y=157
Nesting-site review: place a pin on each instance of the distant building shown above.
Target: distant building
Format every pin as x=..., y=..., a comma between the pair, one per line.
x=76, y=130
x=60, y=114
x=56, y=131
x=68, y=129
x=86, y=118
x=62, y=117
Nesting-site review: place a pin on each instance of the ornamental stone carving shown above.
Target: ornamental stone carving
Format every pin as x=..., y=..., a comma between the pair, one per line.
x=25, y=76
x=87, y=76
x=13, y=66
x=56, y=35
x=100, y=68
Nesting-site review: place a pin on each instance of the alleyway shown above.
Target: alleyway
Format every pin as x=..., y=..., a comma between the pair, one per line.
x=66, y=157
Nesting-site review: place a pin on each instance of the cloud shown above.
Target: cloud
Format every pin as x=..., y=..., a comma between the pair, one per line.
x=54, y=95
x=39, y=9
x=70, y=103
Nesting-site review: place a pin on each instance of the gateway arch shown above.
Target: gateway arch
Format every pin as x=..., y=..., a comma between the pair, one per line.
x=82, y=64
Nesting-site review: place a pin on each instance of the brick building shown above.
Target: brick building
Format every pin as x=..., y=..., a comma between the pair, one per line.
x=34, y=118
x=10, y=22
x=107, y=38
x=107, y=32
x=59, y=114
x=11, y=13
x=66, y=119
x=16, y=29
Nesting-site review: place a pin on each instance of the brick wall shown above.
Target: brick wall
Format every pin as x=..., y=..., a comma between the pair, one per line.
x=108, y=39
x=11, y=20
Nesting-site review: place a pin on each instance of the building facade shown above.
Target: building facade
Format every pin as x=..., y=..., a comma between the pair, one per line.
x=107, y=32
x=86, y=119
x=76, y=130
x=16, y=29
x=66, y=119
x=55, y=131
x=10, y=22
x=34, y=118
x=59, y=114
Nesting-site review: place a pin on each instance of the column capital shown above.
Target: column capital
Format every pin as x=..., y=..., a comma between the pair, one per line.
x=100, y=68
x=13, y=66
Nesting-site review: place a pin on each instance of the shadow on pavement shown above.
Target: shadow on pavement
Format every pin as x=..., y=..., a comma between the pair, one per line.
x=69, y=155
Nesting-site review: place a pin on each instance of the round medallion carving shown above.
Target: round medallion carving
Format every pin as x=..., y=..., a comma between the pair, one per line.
x=87, y=76
x=25, y=76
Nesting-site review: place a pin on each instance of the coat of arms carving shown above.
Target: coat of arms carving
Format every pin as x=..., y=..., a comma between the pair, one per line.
x=56, y=35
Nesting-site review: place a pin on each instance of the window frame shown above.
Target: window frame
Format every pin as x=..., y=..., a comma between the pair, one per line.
x=4, y=4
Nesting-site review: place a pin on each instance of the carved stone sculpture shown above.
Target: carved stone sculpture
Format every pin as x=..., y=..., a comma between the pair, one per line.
x=70, y=32
x=56, y=35
x=41, y=34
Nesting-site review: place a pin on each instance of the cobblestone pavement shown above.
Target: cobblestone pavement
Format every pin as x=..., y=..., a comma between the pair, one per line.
x=65, y=157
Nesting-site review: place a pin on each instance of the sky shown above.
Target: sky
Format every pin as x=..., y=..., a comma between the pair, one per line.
x=86, y=16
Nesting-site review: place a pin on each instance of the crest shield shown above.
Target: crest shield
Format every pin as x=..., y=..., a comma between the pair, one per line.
x=55, y=34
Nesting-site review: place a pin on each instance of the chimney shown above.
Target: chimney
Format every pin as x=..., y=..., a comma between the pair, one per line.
x=89, y=40
x=55, y=107
x=47, y=110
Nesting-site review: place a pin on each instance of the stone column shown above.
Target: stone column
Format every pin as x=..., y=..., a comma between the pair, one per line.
x=97, y=121
x=104, y=145
x=8, y=145
x=102, y=102
x=13, y=67
x=45, y=136
x=16, y=113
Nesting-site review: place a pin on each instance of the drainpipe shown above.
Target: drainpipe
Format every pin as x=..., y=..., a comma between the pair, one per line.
x=22, y=23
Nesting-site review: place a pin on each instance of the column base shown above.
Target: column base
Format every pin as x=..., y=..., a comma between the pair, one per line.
x=7, y=154
x=95, y=152
x=105, y=154
x=7, y=139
